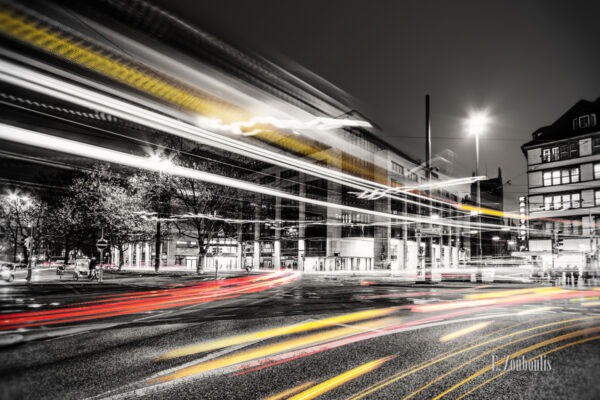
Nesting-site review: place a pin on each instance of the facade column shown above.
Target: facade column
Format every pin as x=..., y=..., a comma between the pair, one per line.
x=256, y=255
x=405, y=235
x=130, y=254
x=138, y=255
x=147, y=255
x=277, y=236
x=301, y=222
x=455, y=262
x=240, y=248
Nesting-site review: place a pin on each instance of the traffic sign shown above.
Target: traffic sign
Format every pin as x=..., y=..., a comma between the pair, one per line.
x=101, y=244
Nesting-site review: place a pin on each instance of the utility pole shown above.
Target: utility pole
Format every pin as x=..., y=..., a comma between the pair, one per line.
x=428, y=241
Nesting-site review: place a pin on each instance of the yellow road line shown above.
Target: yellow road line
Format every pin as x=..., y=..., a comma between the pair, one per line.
x=289, y=392
x=518, y=353
x=531, y=359
x=405, y=373
x=339, y=380
x=285, y=330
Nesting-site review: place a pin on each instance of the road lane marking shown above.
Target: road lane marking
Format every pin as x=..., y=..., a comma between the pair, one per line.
x=531, y=359
x=521, y=352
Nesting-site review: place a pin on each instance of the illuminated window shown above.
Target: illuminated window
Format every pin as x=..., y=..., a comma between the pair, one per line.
x=547, y=203
x=556, y=177
x=565, y=176
x=596, y=171
x=557, y=202
x=546, y=155
x=566, y=201
x=575, y=200
x=597, y=197
x=548, y=178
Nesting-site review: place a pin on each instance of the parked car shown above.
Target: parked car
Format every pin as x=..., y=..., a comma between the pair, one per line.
x=9, y=271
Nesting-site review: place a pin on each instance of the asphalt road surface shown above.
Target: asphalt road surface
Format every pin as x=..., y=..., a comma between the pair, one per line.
x=287, y=336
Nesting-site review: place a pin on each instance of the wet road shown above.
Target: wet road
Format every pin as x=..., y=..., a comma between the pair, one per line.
x=283, y=336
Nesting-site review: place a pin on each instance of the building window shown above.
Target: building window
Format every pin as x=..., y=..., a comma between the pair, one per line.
x=547, y=203
x=574, y=150
x=574, y=175
x=565, y=176
x=548, y=178
x=597, y=197
x=584, y=121
x=596, y=145
x=575, y=200
x=555, y=178
x=593, y=119
x=557, y=202
x=561, y=177
x=564, y=152
x=546, y=155
x=555, y=154
x=596, y=171
x=397, y=168
x=562, y=202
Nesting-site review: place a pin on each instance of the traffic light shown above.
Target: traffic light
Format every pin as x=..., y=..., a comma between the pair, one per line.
x=557, y=241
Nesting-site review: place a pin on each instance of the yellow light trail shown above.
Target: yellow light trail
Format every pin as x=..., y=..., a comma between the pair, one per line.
x=464, y=331
x=275, y=348
x=486, y=353
x=591, y=304
x=285, y=330
x=406, y=373
x=289, y=392
x=340, y=380
x=531, y=359
x=519, y=353
x=45, y=37
x=507, y=293
x=584, y=298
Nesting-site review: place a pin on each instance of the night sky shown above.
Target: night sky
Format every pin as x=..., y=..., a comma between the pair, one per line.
x=525, y=61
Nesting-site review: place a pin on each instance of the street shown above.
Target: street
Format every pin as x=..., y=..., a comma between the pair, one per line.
x=283, y=335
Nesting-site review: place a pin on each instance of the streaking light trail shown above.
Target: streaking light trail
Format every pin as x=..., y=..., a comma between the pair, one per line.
x=41, y=140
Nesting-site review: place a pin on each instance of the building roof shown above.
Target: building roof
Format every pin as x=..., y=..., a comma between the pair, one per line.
x=563, y=128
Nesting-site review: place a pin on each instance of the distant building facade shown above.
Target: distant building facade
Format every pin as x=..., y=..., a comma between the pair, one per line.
x=563, y=169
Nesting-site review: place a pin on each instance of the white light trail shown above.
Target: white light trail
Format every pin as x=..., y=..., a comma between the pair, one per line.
x=49, y=142
x=42, y=83
x=241, y=127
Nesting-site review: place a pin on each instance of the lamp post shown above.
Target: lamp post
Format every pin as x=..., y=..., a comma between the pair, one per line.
x=476, y=124
x=160, y=207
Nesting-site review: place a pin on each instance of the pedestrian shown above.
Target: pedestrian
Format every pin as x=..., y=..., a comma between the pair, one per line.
x=92, y=266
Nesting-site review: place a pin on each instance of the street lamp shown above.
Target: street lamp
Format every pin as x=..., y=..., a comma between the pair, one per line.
x=476, y=124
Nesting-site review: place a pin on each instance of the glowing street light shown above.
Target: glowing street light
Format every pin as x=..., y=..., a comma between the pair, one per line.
x=476, y=124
